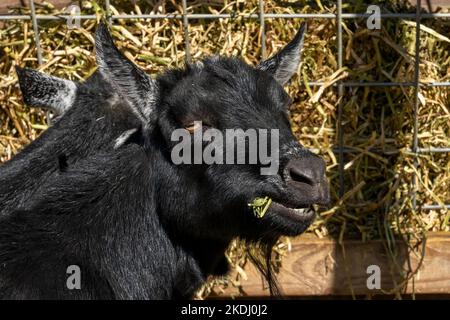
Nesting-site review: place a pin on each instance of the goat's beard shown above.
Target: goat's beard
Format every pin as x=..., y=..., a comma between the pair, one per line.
x=260, y=254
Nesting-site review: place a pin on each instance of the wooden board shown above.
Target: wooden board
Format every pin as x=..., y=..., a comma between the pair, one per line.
x=318, y=267
x=6, y=4
x=432, y=5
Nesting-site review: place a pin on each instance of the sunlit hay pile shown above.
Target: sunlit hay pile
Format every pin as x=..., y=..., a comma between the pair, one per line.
x=377, y=122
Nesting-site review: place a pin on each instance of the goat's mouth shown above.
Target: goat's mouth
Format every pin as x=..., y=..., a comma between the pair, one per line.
x=304, y=214
x=295, y=213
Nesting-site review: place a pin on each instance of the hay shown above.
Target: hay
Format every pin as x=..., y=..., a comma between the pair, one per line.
x=377, y=122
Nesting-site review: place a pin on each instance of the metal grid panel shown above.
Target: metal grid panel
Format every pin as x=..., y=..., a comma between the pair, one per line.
x=261, y=16
x=416, y=102
x=340, y=102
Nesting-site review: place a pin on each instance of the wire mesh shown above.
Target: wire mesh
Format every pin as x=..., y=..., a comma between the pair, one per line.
x=262, y=16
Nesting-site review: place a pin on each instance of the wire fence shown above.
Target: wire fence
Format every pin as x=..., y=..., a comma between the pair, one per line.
x=261, y=16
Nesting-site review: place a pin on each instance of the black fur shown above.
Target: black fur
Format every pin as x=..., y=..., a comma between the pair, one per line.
x=85, y=128
x=139, y=226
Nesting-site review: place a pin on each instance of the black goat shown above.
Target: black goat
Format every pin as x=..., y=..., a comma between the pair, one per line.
x=85, y=129
x=100, y=190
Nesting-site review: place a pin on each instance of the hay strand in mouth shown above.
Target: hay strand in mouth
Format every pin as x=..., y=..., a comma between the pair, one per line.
x=260, y=206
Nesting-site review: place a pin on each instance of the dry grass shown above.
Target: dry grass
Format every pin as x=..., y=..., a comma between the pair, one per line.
x=377, y=122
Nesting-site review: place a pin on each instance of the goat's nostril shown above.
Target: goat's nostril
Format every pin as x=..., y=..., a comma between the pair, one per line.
x=305, y=178
x=298, y=175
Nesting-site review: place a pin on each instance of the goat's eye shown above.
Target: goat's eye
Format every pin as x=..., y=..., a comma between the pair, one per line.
x=193, y=127
x=197, y=125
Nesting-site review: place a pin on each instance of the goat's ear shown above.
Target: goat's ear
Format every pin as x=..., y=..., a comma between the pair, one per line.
x=131, y=82
x=284, y=64
x=41, y=90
